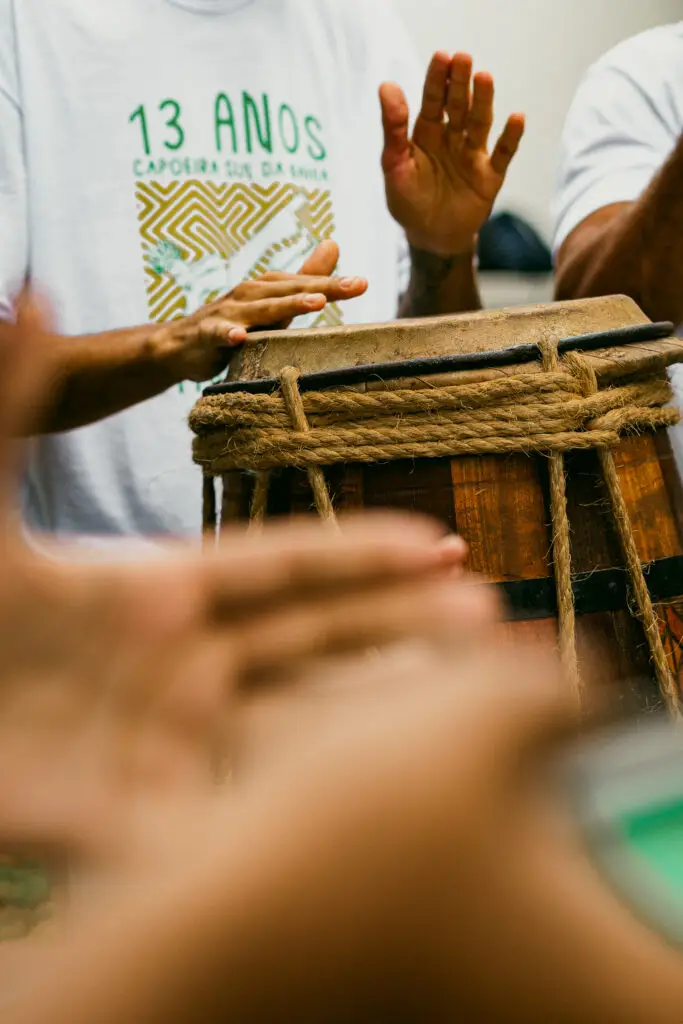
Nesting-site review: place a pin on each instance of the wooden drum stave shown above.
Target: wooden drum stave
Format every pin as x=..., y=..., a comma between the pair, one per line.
x=501, y=502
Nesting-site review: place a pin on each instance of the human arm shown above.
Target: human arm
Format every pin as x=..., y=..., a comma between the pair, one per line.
x=619, y=206
x=440, y=284
x=185, y=630
x=98, y=375
x=632, y=248
x=441, y=183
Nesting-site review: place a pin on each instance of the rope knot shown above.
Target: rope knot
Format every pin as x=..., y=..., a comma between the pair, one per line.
x=584, y=373
x=559, y=409
x=548, y=346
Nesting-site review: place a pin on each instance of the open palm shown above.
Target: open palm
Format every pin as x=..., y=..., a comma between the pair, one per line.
x=120, y=684
x=441, y=184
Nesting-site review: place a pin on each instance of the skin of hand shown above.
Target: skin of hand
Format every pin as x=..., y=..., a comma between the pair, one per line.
x=455, y=886
x=124, y=681
x=361, y=869
x=119, y=683
x=441, y=184
x=113, y=801
x=408, y=858
x=195, y=347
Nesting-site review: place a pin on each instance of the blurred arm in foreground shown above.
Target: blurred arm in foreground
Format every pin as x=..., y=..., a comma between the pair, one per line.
x=404, y=859
x=387, y=847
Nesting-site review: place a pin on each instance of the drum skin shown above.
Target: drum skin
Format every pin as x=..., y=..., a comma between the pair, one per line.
x=500, y=504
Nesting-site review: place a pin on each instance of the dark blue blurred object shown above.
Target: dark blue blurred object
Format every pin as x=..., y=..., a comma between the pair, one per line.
x=506, y=242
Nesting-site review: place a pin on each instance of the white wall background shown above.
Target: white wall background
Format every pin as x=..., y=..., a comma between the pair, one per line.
x=537, y=51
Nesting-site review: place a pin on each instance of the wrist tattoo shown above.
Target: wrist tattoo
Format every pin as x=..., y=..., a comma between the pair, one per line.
x=429, y=273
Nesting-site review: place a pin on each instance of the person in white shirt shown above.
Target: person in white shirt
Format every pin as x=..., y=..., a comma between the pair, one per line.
x=619, y=204
x=156, y=152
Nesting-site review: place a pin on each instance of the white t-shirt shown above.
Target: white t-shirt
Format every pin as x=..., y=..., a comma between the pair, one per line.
x=154, y=153
x=625, y=121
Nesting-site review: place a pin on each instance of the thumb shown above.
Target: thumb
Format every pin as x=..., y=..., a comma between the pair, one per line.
x=395, y=123
x=323, y=261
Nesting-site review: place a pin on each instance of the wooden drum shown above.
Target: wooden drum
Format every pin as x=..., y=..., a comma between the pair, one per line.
x=538, y=434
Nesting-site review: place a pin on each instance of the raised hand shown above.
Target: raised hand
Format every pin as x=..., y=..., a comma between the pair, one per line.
x=441, y=184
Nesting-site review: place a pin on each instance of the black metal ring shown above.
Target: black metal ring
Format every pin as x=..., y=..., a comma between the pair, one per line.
x=447, y=364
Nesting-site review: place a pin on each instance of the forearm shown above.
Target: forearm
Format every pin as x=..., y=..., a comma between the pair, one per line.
x=440, y=285
x=96, y=376
x=634, y=251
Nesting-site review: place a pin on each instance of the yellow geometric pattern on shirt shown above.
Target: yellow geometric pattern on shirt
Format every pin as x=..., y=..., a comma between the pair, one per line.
x=203, y=218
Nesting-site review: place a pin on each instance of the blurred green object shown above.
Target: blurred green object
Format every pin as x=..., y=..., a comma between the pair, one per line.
x=626, y=788
x=25, y=898
x=25, y=885
x=656, y=836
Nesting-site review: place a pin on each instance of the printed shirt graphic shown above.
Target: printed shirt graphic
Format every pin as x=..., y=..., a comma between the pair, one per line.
x=170, y=154
x=209, y=222
x=200, y=239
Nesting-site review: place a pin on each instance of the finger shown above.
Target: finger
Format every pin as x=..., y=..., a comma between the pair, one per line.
x=344, y=623
x=479, y=119
x=538, y=708
x=458, y=102
x=334, y=288
x=266, y=312
x=217, y=331
x=508, y=144
x=454, y=553
x=323, y=261
x=248, y=314
x=303, y=557
x=507, y=698
x=395, y=122
x=299, y=558
x=436, y=89
x=355, y=672
x=518, y=688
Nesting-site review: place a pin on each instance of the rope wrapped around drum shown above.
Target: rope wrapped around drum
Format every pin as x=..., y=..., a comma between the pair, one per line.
x=560, y=409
